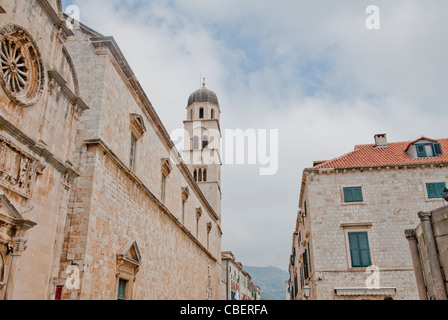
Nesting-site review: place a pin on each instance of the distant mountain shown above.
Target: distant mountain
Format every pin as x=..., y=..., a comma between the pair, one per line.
x=271, y=281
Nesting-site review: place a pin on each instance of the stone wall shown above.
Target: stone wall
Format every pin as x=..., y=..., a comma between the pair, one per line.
x=37, y=134
x=391, y=198
x=113, y=205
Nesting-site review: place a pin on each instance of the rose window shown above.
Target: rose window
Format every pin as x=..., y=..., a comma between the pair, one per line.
x=20, y=66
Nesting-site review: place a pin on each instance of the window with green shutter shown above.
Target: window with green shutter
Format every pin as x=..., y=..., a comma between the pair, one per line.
x=353, y=194
x=437, y=148
x=359, y=249
x=421, y=150
x=122, y=289
x=435, y=189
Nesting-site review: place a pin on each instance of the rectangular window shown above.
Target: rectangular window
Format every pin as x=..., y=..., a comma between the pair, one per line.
x=359, y=249
x=163, y=188
x=435, y=189
x=122, y=284
x=421, y=150
x=437, y=147
x=353, y=194
x=133, y=152
x=305, y=265
x=183, y=212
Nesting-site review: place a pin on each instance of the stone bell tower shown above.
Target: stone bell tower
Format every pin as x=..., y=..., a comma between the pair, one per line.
x=202, y=149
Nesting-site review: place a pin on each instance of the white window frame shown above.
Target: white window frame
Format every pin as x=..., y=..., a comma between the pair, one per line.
x=357, y=227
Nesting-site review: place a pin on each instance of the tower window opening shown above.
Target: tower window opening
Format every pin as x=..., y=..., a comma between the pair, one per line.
x=204, y=175
x=201, y=113
x=200, y=175
x=196, y=143
x=213, y=114
x=204, y=142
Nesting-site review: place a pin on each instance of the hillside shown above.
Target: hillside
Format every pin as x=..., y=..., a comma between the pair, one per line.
x=271, y=280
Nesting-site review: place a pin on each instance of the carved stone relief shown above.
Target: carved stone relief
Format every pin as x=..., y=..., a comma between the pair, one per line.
x=16, y=168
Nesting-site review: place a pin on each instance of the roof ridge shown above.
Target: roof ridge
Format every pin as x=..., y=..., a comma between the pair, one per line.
x=395, y=153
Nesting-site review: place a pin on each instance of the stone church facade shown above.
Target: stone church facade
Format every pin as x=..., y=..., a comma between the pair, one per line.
x=95, y=201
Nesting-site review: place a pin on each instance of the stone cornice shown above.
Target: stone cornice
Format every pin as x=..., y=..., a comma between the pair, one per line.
x=55, y=18
x=379, y=167
x=81, y=106
x=38, y=149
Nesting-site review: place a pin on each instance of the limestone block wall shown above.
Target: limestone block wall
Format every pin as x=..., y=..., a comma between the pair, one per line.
x=391, y=198
x=44, y=133
x=112, y=205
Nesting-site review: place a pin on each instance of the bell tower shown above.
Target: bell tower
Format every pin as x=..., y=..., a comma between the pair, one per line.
x=202, y=149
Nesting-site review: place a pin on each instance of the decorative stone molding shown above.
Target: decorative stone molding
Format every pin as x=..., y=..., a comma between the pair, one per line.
x=55, y=17
x=22, y=72
x=185, y=193
x=356, y=225
x=198, y=213
x=129, y=261
x=137, y=125
x=35, y=147
x=58, y=84
x=16, y=225
x=382, y=291
x=209, y=227
x=128, y=265
x=166, y=167
x=410, y=234
x=17, y=168
x=424, y=216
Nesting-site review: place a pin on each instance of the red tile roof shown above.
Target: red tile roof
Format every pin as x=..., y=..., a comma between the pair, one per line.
x=394, y=154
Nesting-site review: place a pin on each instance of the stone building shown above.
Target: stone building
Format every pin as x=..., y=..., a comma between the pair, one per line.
x=236, y=282
x=348, y=241
x=40, y=110
x=89, y=177
x=428, y=245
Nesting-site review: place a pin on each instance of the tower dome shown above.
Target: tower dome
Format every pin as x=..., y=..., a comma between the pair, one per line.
x=203, y=95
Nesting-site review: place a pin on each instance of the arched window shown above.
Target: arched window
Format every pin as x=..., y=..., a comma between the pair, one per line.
x=201, y=113
x=196, y=143
x=213, y=114
x=195, y=175
x=204, y=174
x=191, y=114
x=200, y=175
x=204, y=142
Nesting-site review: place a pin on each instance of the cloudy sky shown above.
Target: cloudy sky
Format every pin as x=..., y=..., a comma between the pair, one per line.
x=310, y=69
